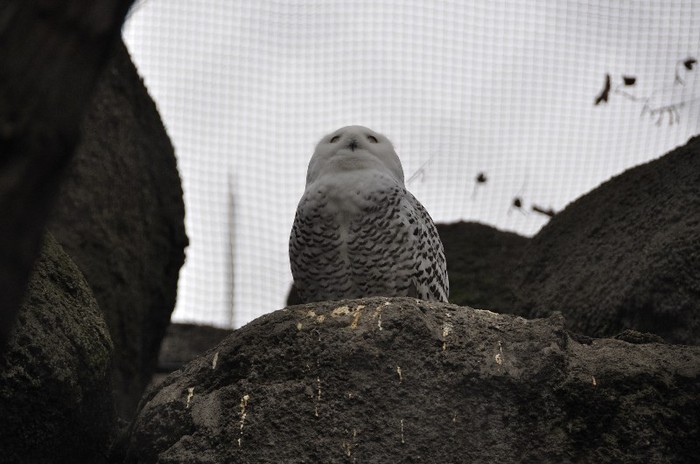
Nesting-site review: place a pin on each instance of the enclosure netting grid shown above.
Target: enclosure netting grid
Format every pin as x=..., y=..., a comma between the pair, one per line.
x=502, y=89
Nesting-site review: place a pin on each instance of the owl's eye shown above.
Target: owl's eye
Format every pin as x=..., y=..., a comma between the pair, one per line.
x=335, y=138
x=372, y=139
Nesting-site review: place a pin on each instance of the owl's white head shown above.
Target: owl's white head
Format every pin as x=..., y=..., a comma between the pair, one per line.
x=354, y=148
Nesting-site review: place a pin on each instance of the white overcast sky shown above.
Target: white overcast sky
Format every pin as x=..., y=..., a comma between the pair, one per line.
x=247, y=88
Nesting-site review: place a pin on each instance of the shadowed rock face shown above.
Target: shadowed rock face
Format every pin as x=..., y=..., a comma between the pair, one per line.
x=120, y=216
x=401, y=380
x=50, y=57
x=481, y=260
x=183, y=343
x=624, y=256
x=56, y=400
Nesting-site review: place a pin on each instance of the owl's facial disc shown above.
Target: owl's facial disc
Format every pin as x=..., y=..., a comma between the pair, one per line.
x=354, y=148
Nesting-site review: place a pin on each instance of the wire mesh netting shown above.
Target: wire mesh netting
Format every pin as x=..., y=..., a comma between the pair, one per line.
x=497, y=110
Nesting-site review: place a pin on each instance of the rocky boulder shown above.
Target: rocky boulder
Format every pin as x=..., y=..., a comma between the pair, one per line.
x=624, y=256
x=120, y=216
x=401, y=380
x=56, y=399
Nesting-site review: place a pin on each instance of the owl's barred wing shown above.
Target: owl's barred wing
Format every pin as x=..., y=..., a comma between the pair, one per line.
x=313, y=253
x=430, y=276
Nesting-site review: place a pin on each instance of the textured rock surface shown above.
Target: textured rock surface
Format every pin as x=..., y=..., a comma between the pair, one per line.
x=481, y=260
x=624, y=256
x=56, y=401
x=399, y=380
x=120, y=216
x=50, y=56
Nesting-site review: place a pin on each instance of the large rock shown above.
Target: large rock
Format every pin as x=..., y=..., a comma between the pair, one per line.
x=624, y=256
x=401, y=380
x=56, y=399
x=120, y=216
x=481, y=260
x=50, y=56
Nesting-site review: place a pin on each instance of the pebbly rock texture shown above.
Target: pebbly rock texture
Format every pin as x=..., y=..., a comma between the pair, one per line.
x=120, y=216
x=401, y=380
x=624, y=256
x=56, y=399
x=481, y=260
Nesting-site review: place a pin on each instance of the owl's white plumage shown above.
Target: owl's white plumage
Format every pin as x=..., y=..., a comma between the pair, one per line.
x=357, y=231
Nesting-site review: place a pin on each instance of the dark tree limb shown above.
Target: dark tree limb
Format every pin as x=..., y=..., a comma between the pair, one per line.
x=51, y=54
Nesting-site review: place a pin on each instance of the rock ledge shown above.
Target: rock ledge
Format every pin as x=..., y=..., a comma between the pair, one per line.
x=402, y=380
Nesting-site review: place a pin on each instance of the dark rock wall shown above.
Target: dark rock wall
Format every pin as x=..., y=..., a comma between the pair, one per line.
x=120, y=216
x=480, y=261
x=50, y=56
x=56, y=400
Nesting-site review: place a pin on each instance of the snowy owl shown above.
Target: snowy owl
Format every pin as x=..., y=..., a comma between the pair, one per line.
x=357, y=231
